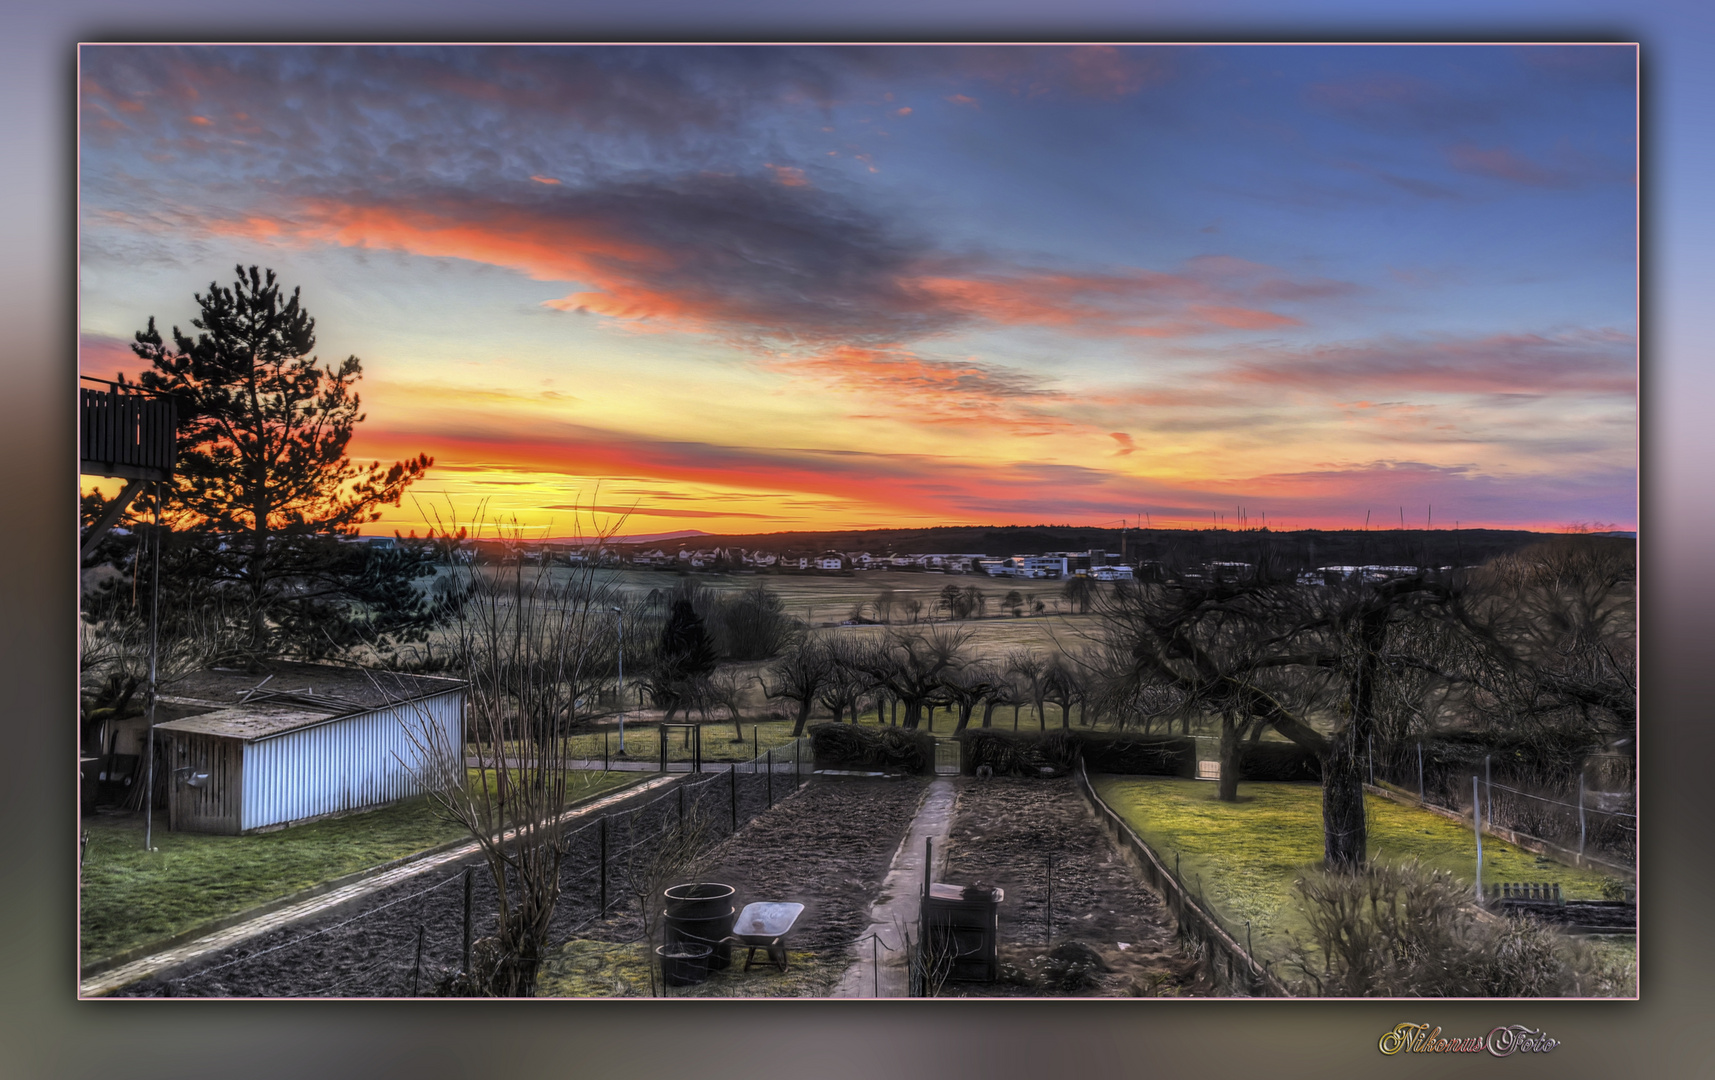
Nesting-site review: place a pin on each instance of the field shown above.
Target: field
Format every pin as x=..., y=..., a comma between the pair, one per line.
x=1243, y=857
x=131, y=897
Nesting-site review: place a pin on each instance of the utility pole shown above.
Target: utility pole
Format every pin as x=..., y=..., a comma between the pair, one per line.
x=154, y=638
x=620, y=615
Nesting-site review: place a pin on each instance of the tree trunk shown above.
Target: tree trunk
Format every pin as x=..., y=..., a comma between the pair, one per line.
x=1343, y=827
x=913, y=714
x=988, y=711
x=803, y=718
x=1227, y=790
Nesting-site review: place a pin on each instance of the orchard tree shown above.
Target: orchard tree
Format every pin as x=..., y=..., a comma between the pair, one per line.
x=265, y=486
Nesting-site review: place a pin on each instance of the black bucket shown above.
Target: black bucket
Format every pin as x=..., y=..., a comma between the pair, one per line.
x=699, y=900
x=713, y=932
x=683, y=963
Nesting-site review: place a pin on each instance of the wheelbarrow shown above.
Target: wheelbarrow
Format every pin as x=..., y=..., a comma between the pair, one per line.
x=765, y=926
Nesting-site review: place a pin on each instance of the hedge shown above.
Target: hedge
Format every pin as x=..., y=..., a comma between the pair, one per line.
x=1278, y=762
x=1055, y=752
x=852, y=746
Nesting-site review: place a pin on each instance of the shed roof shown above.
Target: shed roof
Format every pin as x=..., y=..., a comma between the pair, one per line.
x=282, y=696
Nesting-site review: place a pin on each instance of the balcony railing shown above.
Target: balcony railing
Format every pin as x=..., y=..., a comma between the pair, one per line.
x=126, y=432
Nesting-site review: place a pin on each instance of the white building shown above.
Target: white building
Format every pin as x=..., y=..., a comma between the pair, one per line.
x=249, y=752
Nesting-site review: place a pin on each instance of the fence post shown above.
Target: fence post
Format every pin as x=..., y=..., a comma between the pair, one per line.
x=771, y=779
x=417, y=967
x=663, y=741
x=1489, y=791
x=681, y=790
x=603, y=829
x=1420, y=797
x=467, y=885
x=1580, y=812
x=1372, y=760
x=1050, y=911
x=734, y=775
x=1477, y=828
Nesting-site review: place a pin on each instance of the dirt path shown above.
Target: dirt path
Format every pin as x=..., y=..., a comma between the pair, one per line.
x=1004, y=831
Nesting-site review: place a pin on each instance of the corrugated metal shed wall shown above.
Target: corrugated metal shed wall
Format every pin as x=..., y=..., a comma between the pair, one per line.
x=345, y=764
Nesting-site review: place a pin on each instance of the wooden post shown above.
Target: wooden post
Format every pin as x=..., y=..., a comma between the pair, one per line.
x=733, y=774
x=1420, y=798
x=681, y=790
x=755, y=744
x=604, y=755
x=771, y=779
x=468, y=874
x=663, y=741
x=603, y=830
x=928, y=865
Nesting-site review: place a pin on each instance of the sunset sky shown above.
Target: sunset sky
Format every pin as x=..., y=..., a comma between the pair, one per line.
x=753, y=289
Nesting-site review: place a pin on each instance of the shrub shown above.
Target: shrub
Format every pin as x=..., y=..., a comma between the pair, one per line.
x=1401, y=930
x=887, y=748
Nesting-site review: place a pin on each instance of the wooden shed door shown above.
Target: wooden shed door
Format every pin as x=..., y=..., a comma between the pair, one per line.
x=206, y=785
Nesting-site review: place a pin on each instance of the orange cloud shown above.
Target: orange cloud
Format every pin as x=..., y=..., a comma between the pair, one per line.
x=544, y=179
x=788, y=176
x=961, y=99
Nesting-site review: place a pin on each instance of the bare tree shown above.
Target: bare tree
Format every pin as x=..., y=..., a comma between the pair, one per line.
x=844, y=685
x=527, y=647
x=1030, y=668
x=798, y=676
x=726, y=688
x=913, y=666
x=968, y=686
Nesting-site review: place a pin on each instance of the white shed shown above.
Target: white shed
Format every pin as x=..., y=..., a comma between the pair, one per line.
x=298, y=741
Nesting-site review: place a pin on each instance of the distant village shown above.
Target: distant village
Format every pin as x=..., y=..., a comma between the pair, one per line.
x=1097, y=565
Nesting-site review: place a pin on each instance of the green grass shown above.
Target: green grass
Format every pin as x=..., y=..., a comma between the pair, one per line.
x=1244, y=857
x=131, y=897
x=603, y=969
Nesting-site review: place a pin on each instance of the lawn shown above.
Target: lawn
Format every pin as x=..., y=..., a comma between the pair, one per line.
x=604, y=969
x=1243, y=857
x=131, y=897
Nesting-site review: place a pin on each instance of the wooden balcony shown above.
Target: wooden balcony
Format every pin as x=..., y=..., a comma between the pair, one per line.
x=126, y=433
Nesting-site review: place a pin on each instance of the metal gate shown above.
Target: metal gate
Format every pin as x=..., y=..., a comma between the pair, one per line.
x=946, y=757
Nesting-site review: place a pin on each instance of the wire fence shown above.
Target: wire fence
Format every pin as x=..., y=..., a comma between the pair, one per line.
x=1601, y=824
x=410, y=943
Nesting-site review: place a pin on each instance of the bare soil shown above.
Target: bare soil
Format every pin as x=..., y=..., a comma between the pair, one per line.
x=1004, y=832
x=827, y=847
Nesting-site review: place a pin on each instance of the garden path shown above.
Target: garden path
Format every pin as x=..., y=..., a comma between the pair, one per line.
x=881, y=972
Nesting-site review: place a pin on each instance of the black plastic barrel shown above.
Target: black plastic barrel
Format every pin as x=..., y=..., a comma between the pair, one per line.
x=684, y=963
x=702, y=912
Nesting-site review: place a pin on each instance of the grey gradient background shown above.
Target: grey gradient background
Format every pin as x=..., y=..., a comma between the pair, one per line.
x=45, y=1032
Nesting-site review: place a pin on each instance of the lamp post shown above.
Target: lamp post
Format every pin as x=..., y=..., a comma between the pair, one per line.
x=620, y=615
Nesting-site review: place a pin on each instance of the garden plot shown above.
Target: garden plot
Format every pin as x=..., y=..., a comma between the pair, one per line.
x=827, y=848
x=1003, y=832
x=1242, y=858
